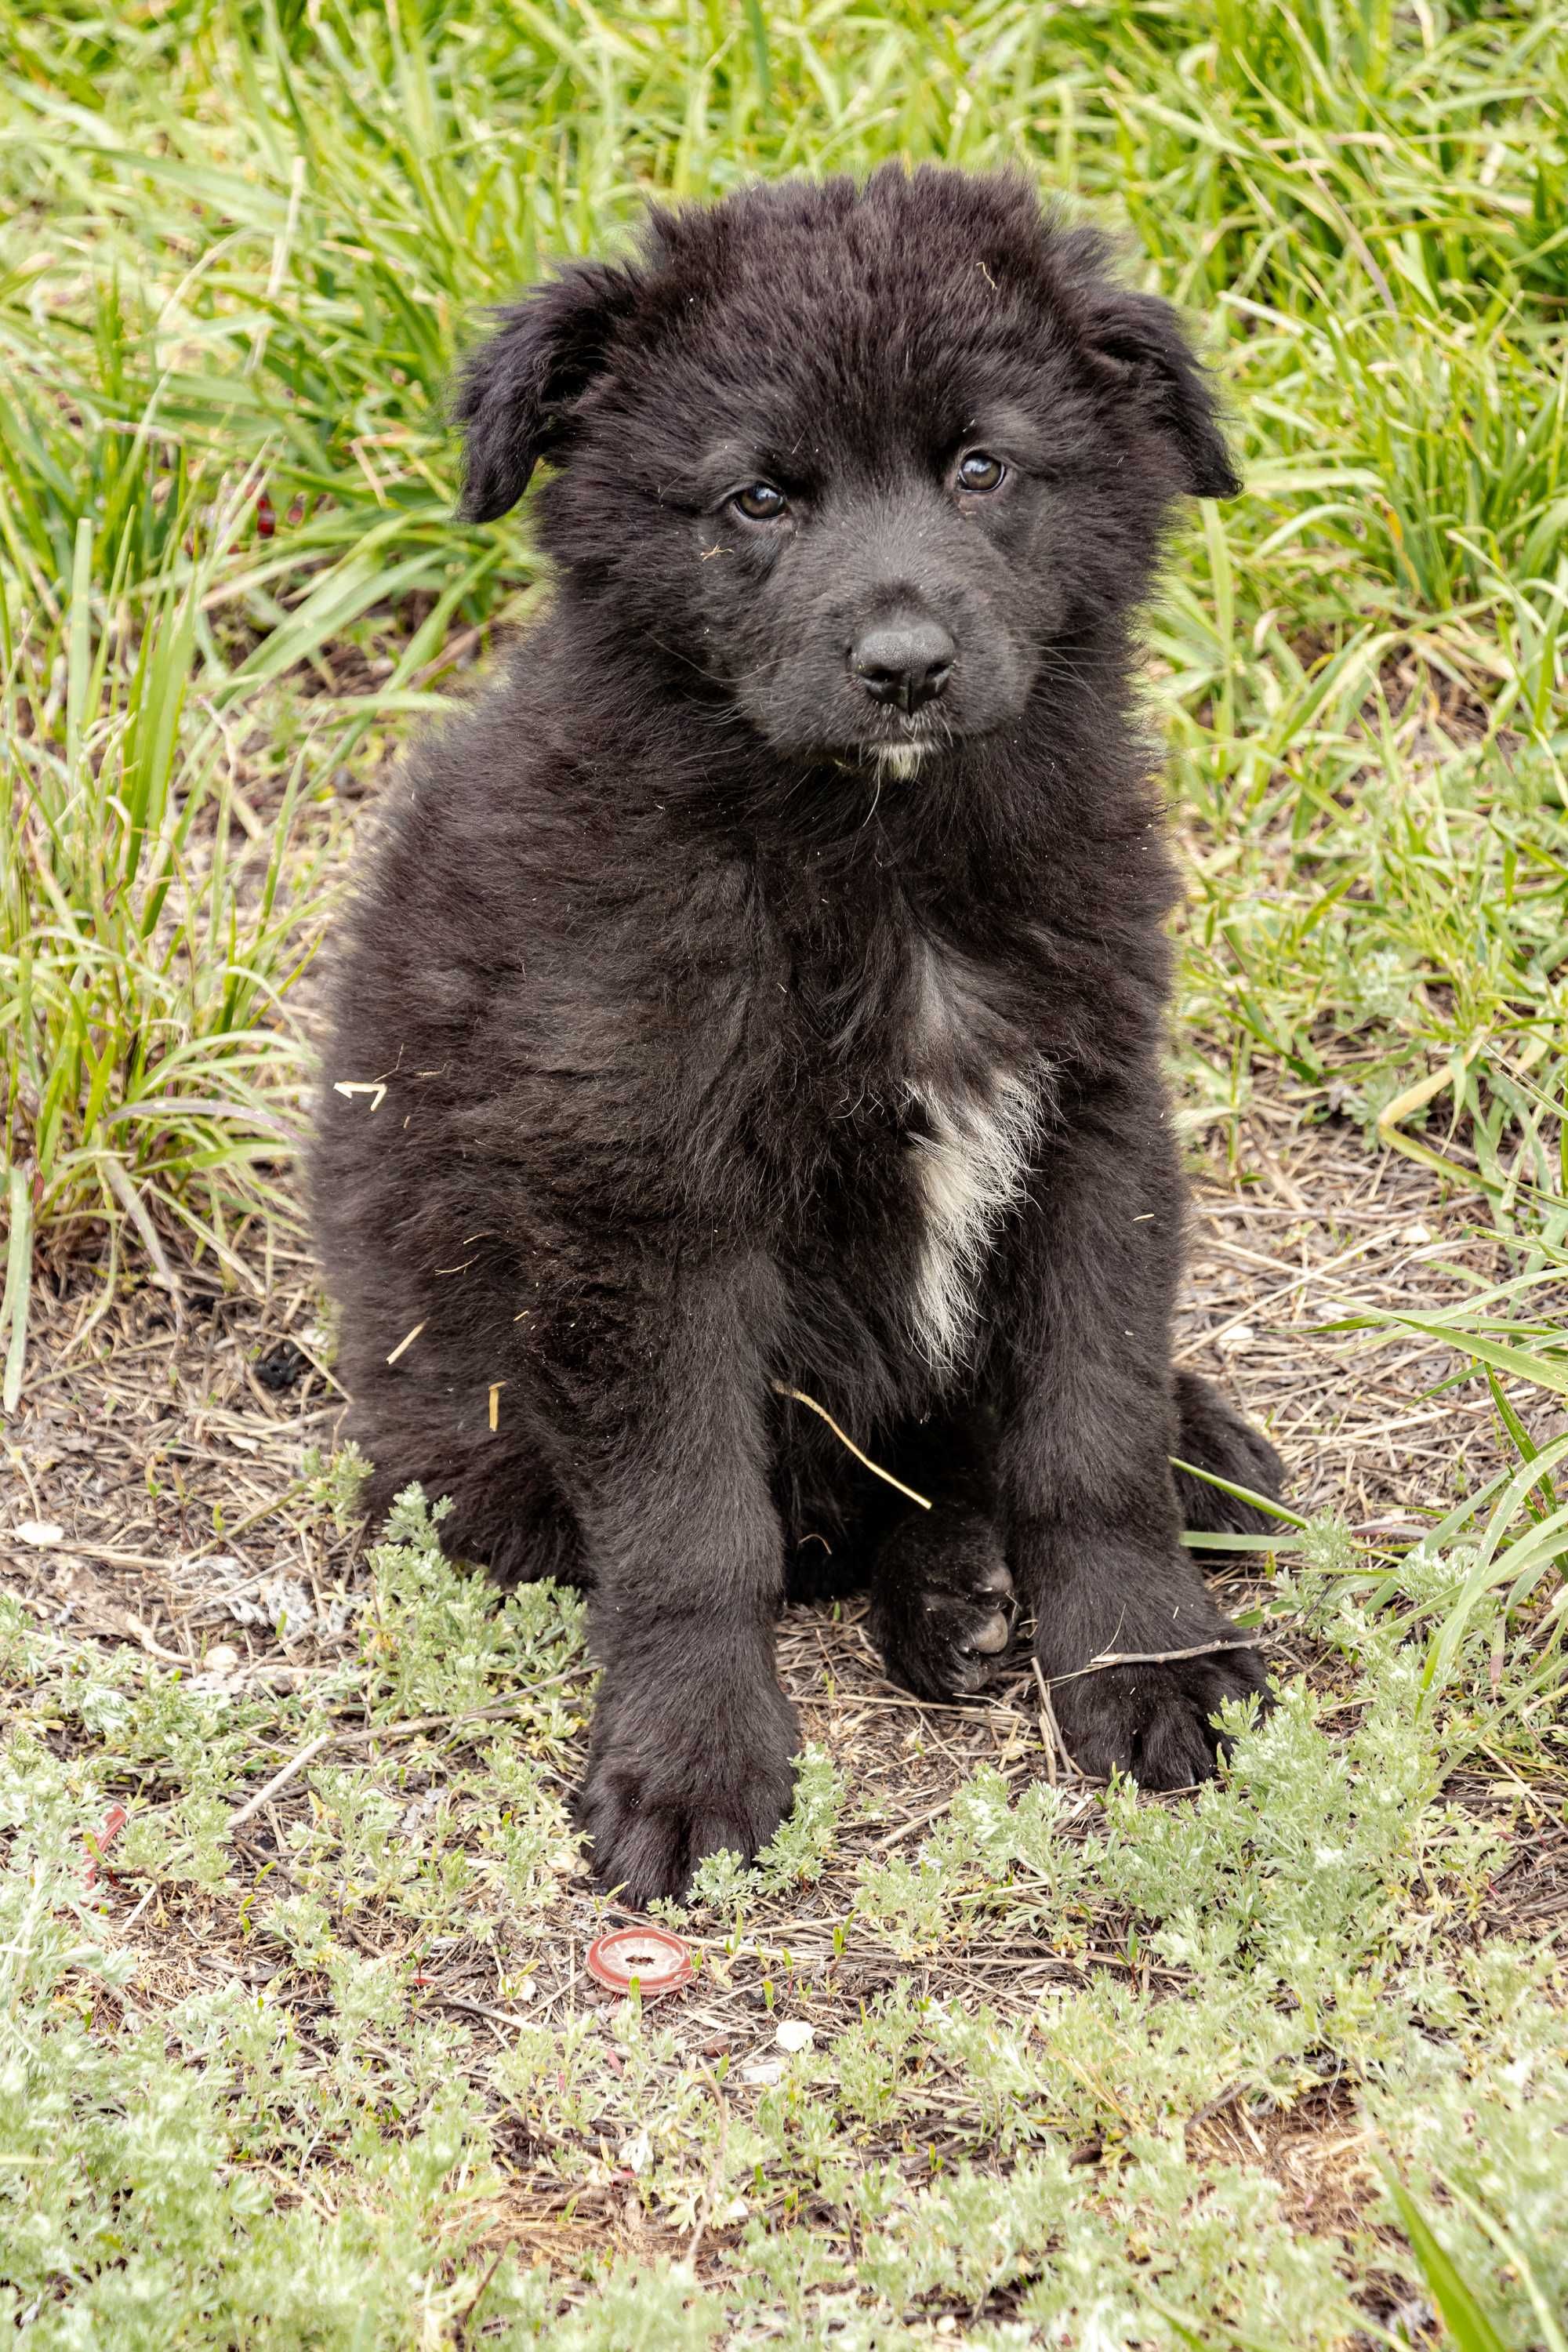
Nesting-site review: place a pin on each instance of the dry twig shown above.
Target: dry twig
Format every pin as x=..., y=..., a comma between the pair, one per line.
x=1152, y=1658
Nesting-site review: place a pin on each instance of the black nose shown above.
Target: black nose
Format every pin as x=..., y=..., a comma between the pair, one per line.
x=906, y=660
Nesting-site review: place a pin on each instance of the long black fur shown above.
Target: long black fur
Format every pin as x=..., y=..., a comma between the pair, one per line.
x=698, y=1016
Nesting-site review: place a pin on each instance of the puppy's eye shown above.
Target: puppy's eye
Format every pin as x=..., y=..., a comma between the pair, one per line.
x=979, y=472
x=760, y=503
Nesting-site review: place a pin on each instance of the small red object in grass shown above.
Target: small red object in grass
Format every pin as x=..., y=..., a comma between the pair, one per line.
x=266, y=520
x=114, y=1821
x=652, y=1958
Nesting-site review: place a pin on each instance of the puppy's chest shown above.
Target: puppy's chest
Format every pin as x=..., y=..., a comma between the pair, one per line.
x=964, y=1097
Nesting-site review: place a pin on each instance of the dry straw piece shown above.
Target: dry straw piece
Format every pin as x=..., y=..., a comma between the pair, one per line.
x=798, y=1396
x=405, y=1344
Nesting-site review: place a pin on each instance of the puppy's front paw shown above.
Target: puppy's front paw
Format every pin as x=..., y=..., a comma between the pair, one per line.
x=1153, y=1722
x=942, y=1609
x=681, y=1774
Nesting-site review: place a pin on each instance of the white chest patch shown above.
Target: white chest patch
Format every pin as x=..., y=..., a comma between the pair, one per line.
x=984, y=1114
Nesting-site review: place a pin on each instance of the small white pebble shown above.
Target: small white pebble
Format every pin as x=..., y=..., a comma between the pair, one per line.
x=1236, y=1342
x=1416, y=1233
x=221, y=1659
x=793, y=2033
x=763, y=2069
x=39, y=1531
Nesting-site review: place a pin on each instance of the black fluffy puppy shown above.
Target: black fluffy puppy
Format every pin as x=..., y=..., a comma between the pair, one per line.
x=767, y=985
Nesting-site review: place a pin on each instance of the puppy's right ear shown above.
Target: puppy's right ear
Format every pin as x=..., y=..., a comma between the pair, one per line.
x=1140, y=351
x=516, y=392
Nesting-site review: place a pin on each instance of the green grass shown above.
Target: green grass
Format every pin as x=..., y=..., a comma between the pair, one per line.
x=247, y=243
x=242, y=246
x=148, y=943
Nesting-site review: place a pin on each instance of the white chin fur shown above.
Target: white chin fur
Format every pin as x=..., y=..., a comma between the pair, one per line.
x=899, y=759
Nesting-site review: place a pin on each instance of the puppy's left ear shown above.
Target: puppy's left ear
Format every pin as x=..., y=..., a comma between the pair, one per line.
x=516, y=392
x=1139, y=342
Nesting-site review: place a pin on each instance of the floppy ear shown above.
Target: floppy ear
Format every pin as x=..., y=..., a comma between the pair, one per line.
x=1139, y=342
x=516, y=392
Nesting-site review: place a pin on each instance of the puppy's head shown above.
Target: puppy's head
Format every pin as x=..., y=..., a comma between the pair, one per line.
x=854, y=458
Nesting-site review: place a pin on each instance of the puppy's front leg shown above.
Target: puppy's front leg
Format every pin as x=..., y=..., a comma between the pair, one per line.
x=1088, y=1423
x=692, y=1736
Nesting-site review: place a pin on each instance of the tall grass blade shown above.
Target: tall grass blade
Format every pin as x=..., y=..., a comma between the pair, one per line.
x=18, y=1283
